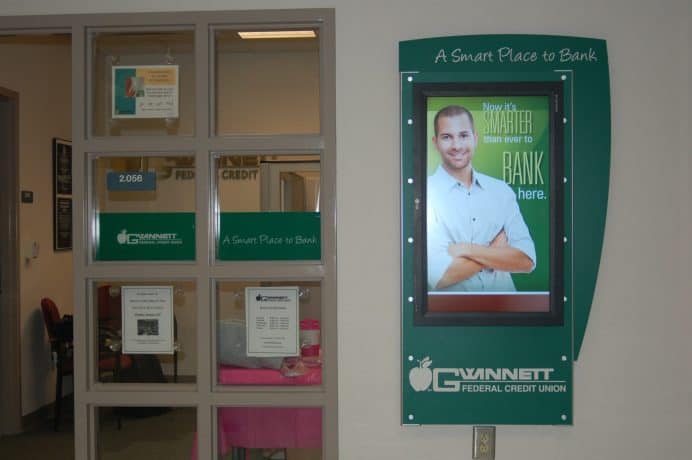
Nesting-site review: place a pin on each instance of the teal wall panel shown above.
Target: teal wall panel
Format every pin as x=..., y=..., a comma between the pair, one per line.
x=449, y=372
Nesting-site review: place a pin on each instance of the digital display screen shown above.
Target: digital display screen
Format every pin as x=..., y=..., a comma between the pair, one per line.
x=488, y=167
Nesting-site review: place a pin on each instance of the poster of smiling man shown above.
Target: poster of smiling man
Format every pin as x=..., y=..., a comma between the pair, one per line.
x=488, y=154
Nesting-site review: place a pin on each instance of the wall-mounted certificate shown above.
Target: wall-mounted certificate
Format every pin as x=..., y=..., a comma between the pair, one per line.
x=271, y=316
x=62, y=195
x=147, y=318
x=62, y=223
x=62, y=167
x=145, y=91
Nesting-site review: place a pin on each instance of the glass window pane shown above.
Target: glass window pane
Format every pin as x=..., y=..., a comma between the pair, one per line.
x=267, y=85
x=267, y=207
x=146, y=331
x=143, y=83
x=286, y=433
x=143, y=208
x=236, y=366
x=126, y=433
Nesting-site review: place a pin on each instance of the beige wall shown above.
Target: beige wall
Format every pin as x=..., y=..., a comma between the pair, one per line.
x=632, y=397
x=40, y=73
x=268, y=91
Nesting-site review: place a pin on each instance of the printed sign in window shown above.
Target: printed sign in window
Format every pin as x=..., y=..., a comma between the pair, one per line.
x=145, y=91
x=271, y=316
x=147, y=313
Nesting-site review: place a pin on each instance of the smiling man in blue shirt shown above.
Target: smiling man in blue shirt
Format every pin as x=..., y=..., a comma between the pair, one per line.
x=476, y=234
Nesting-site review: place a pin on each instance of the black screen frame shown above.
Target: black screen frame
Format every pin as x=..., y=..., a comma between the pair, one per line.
x=555, y=316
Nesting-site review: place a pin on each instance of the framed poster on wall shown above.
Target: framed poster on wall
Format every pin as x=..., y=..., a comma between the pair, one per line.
x=62, y=195
x=488, y=162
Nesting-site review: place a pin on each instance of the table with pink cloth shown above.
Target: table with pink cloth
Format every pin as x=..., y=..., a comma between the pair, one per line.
x=267, y=427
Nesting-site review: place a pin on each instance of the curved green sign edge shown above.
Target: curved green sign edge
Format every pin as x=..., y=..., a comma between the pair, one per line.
x=587, y=59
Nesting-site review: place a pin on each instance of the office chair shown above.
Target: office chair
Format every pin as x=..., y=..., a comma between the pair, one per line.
x=60, y=336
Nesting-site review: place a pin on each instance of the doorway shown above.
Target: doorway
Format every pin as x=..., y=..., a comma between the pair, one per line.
x=39, y=110
x=251, y=110
x=10, y=370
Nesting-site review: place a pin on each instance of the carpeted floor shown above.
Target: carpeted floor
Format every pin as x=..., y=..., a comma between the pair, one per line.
x=39, y=445
x=165, y=436
x=144, y=435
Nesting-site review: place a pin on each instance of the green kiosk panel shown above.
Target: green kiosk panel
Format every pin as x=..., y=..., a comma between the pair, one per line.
x=498, y=271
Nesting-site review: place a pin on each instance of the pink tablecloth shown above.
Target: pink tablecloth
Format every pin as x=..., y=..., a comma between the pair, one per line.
x=267, y=427
x=231, y=375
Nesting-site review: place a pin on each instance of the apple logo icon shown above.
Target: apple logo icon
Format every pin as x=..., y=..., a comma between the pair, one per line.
x=421, y=377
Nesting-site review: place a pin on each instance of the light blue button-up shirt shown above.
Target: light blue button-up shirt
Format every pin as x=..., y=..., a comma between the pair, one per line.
x=457, y=214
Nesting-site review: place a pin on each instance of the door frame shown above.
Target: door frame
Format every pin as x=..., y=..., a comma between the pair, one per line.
x=10, y=349
x=90, y=394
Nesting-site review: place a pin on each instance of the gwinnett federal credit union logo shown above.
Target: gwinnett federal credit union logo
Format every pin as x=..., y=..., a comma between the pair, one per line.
x=130, y=239
x=483, y=379
x=421, y=377
x=272, y=298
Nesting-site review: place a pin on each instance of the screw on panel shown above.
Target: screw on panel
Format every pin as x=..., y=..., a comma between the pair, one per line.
x=564, y=121
x=410, y=78
x=410, y=121
x=563, y=417
x=564, y=358
x=564, y=299
x=410, y=299
x=410, y=180
x=410, y=240
x=564, y=239
x=410, y=416
x=410, y=357
x=564, y=77
x=564, y=180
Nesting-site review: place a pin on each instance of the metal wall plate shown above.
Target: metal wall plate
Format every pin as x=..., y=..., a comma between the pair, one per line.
x=483, y=442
